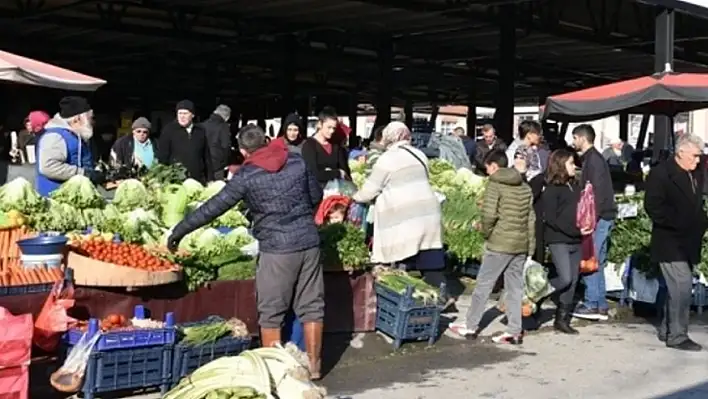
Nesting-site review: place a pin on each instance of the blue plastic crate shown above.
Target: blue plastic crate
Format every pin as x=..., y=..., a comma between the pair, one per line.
x=26, y=289
x=137, y=338
x=188, y=358
x=128, y=369
x=403, y=319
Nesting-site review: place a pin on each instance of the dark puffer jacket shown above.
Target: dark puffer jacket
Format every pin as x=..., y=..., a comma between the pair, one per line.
x=280, y=193
x=508, y=217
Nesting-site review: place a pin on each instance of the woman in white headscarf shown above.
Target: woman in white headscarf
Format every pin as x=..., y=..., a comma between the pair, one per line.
x=407, y=215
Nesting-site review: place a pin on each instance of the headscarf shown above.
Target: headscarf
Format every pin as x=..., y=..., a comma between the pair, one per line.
x=293, y=119
x=395, y=132
x=37, y=120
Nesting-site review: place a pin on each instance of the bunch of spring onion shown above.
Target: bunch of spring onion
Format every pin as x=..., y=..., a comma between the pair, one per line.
x=267, y=373
x=398, y=281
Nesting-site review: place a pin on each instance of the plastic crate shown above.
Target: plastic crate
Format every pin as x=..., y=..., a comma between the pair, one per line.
x=138, y=338
x=128, y=369
x=404, y=319
x=188, y=358
x=26, y=289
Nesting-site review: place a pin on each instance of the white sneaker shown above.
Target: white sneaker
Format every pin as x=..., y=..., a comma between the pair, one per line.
x=464, y=332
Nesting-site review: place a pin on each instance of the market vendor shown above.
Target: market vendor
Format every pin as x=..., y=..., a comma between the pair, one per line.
x=63, y=150
x=282, y=194
x=138, y=149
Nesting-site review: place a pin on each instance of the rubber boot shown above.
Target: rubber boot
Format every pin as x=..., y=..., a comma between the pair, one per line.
x=270, y=337
x=313, y=343
x=562, y=321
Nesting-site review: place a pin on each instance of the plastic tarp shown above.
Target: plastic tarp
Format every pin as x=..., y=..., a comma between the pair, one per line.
x=18, y=69
x=15, y=348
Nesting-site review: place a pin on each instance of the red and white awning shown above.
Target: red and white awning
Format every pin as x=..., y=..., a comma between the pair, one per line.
x=15, y=68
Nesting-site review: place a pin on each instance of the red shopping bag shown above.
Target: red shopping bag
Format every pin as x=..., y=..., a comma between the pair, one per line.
x=585, y=217
x=15, y=339
x=588, y=263
x=53, y=320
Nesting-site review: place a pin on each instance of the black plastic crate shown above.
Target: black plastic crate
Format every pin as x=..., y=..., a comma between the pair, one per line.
x=26, y=289
x=403, y=318
x=188, y=358
x=128, y=369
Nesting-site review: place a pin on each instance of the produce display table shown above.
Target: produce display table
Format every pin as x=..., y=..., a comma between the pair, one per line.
x=350, y=302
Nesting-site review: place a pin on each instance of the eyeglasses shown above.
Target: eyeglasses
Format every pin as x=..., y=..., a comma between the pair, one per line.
x=141, y=131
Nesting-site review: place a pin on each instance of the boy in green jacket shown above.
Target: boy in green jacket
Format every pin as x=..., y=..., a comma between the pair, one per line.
x=508, y=227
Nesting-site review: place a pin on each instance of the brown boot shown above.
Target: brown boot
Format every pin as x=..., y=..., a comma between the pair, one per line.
x=270, y=337
x=313, y=343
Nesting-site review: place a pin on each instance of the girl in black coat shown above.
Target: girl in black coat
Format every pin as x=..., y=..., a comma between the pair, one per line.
x=560, y=203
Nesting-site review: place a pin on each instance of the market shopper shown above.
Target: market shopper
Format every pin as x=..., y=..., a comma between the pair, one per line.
x=489, y=142
x=508, y=226
x=63, y=150
x=596, y=172
x=559, y=208
x=530, y=158
x=27, y=137
x=137, y=149
x=469, y=143
x=324, y=154
x=182, y=141
x=407, y=215
x=674, y=202
x=293, y=133
x=218, y=135
x=281, y=194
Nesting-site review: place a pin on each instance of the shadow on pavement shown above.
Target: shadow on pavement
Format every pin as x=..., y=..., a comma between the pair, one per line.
x=694, y=392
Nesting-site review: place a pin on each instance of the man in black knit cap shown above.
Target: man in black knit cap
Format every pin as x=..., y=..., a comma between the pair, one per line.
x=182, y=141
x=63, y=150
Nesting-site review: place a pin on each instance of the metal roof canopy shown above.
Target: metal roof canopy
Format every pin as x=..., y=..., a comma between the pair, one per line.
x=236, y=49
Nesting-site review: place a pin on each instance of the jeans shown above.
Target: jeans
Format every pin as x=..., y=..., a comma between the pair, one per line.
x=595, y=290
x=566, y=258
x=494, y=264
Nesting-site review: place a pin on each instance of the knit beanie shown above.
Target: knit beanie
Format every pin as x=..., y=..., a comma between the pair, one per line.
x=186, y=105
x=72, y=106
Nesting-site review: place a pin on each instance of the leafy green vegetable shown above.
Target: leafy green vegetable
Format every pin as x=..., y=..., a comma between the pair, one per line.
x=193, y=188
x=212, y=189
x=231, y=218
x=19, y=195
x=205, y=333
x=243, y=268
x=57, y=217
x=461, y=239
x=160, y=175
x=174, y=204
x=130, y=194
x=78, y=192
x=343, y=246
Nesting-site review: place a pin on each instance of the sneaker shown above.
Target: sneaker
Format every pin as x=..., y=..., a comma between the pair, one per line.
x=586, y=313
x=464, y=332
x=687, y=345
x=509, y=339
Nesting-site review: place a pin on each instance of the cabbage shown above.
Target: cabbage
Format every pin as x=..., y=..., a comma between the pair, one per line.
x=193, y=188
x=140, y=226
x=212, y=189
x=78, y=192
x=231, y=218
x=130, y=194
x=19, y=195
x=111, y=212
x=207, y=238
x=238, y=238
x=174, y=204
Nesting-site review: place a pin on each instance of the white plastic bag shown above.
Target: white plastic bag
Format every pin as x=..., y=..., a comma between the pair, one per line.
x=536, y=283
x=70, y=375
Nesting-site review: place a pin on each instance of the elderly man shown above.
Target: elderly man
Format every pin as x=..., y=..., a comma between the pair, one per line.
x=63, y=150
x=219, y=139
x=489, y=142
x=138, y=149
x=674, y=202
x=184, y=142
x=618, y=154
x=282, y=194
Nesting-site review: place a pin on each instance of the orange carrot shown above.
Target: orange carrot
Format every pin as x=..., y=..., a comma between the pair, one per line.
x=16, y=237
x=57, y=273
x=3, y=243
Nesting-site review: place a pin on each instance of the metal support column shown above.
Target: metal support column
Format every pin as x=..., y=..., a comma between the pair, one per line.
x=663, y=60
x=472, y=110
x=624, y=126
x=289, y=76
x=385, y=90
x=408, y=111
x=504, y=114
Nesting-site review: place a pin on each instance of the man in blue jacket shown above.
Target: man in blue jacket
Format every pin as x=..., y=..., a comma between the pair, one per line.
x=282, y=196
x=63, y=150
